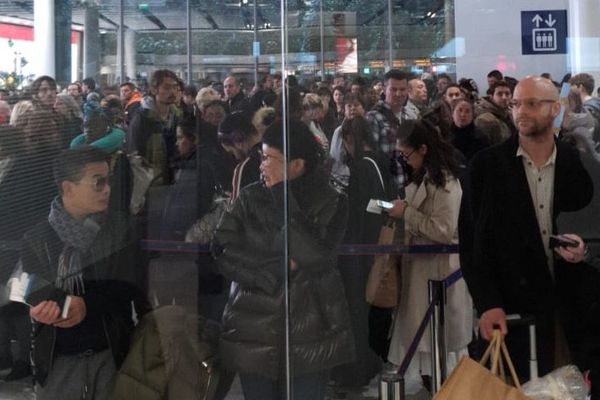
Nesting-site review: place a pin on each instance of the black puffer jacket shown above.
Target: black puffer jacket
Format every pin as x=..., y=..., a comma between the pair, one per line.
x=252, y=235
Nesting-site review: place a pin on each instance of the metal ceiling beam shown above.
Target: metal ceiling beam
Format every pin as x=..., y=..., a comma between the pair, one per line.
x=378, y=14
x=154, y=19
x=110, y=21
x=211, y=21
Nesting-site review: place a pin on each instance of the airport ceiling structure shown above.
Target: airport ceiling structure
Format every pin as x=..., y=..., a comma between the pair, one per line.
x=225, y=27
x=160, y=15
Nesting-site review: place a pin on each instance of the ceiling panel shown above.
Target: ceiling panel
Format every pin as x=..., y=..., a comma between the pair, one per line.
x=232, y=14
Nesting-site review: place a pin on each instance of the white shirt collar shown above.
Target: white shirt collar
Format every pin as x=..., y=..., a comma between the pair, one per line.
x=550, y=161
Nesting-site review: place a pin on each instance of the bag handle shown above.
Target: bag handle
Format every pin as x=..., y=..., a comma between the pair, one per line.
x=378, y=171
x=486, y=355
x=510, y=365
x=497, y=350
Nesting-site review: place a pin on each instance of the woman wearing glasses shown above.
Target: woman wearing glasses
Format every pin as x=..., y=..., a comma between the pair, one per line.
x=430, y=212
x=253, y=235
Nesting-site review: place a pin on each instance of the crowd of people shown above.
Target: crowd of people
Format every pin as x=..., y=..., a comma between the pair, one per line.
x=86, y=173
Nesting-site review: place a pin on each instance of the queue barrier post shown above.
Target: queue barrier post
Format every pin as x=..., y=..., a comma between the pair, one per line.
x=391, y=387
x=437, y=328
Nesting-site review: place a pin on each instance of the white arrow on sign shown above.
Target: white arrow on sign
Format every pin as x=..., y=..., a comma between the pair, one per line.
x=550, y=22
x=537, y=19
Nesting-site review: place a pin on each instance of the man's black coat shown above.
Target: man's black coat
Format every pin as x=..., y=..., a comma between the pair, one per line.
x=502, y=253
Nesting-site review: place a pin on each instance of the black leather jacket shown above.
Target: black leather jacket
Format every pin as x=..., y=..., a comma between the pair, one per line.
x=112, y=276
x=253, y=237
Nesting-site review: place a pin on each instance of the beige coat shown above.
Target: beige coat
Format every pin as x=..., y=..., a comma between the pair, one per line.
x=431, y=218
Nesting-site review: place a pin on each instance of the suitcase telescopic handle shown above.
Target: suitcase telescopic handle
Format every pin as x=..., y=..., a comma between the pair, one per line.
x=527, y=320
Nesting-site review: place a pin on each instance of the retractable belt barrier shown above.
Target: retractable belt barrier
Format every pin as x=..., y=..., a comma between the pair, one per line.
x=343, y=250
x=449, y=281
x=391, y=384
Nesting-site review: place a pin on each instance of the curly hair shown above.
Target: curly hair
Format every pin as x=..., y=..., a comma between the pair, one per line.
x=206, y=96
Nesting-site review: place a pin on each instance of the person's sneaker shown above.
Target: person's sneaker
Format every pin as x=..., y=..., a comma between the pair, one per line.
x=20, y=370
x=389, y=368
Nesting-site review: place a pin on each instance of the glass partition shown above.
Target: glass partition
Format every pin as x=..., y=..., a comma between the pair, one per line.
x=257, y=193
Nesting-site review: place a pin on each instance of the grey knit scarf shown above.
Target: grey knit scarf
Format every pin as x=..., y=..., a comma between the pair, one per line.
x=77, y=237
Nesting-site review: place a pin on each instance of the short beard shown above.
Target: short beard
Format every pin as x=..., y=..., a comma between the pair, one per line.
x=537, y=130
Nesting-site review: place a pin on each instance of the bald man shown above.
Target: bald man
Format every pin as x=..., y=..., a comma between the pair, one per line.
x=234, y=97
x=417, y=98
x=417, y=92
x=513, y=194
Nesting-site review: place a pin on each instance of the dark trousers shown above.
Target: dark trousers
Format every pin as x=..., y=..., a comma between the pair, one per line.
x=15, y=323
x=380, y=322
x=5, y=334
x=304, y=387
x=84, y=376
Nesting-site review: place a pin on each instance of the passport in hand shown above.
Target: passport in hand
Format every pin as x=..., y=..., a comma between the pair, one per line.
x=31, y=289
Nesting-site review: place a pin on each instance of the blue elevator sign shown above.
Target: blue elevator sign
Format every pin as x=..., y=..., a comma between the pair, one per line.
x=544, y=32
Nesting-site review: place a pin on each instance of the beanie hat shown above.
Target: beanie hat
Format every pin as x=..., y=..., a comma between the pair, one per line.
x=236, y=128
x=301, y=142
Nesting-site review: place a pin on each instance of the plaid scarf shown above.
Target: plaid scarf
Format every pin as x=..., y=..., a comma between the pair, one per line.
x=77, y=237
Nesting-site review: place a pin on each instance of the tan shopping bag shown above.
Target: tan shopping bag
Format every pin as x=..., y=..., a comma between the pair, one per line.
x=471, y=380
x=383, y=284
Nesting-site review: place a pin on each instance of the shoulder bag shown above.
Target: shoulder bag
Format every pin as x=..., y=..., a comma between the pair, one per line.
x=384, y=281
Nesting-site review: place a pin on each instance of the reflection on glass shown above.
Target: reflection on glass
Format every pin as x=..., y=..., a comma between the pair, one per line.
x=193, y=139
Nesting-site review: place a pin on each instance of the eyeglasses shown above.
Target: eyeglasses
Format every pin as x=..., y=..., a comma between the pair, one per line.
x=406, y=156
x=99, y=183
x=529, y=103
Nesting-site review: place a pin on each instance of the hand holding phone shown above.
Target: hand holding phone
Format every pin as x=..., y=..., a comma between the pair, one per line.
x=386, y=205
x=377, y=206
x=562, y=241
x=570, y=247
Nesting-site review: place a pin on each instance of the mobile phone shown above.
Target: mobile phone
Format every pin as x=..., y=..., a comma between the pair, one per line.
x=559, y=241
x=386, y=205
